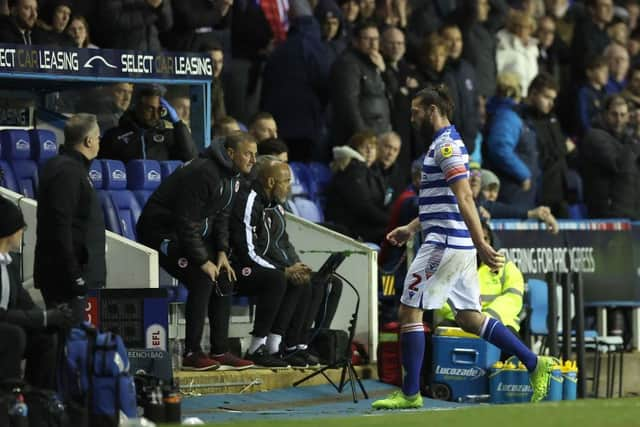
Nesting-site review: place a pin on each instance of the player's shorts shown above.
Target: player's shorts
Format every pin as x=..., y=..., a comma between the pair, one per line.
x=440, y=274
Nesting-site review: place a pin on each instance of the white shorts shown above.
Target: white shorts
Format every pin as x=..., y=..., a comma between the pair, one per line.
x=439, y=274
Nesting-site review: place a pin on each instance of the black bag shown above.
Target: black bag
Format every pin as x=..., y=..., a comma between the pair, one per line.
x=45, y=409
x=332, y=346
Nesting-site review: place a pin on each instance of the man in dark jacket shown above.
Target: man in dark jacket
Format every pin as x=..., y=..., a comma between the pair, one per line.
x=22, y=324
x=358, y=94
x=271, y=272
x=134, y=24
x=609, y=161
x=186, y=220
x=20, y=26
x=70, y=235
x=199, y=22
x=552, y=143
x=142, y=133
x=295, y=83
x=465, y=115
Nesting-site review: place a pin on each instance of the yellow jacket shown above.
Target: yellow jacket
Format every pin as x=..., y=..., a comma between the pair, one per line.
x=500, y=293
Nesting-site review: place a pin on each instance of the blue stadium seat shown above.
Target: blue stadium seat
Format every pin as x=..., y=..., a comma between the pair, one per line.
x=95, y=174
x=308, y=209
x=43, y=145
x=168, y=166
x=321, y=174
x=302, y=181
x=114, y=175
x=143, y=177
x=26, y=177
x=15, y=144
x=120, y=207
x=7, y=179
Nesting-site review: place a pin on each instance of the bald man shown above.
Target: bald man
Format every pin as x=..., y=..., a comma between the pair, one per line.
x=282, y=284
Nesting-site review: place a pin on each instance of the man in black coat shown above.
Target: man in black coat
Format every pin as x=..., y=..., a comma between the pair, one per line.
x=358, y=95
x=70, y=235
x=609, y=164
x=553, y=144
x=20, y=26
x=22, y=323
x=134, y=24
x=199, y=22
x=186, y=221
x=143, y=134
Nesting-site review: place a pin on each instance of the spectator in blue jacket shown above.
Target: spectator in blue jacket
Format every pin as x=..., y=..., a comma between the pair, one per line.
x=295, y=84
x=331, y=21
x=511, y=150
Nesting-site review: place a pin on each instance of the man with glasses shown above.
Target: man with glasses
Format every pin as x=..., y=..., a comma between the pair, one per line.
x=144, y=134
x=358, y=94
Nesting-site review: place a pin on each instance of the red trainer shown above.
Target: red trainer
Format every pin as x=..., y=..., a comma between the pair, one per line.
x=231, y=362
x=198, y=362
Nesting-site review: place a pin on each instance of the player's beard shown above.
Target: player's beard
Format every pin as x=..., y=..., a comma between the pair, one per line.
x=426, y=131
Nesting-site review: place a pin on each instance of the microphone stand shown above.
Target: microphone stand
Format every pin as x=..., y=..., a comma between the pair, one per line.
x=345, y=360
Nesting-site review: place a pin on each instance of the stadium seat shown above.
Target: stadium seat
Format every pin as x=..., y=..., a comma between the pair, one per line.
x=308, y=209
x=167, y=167
x=7, y=179
x=43, y=145
x=143, y=177
x=321, y=174
x=95, y=174
x=26, y=177
x=120, y=207
x=15, y=144
x=301, y=184
x=114, y=175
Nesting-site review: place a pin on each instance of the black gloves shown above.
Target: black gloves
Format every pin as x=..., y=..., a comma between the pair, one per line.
x=60, y=317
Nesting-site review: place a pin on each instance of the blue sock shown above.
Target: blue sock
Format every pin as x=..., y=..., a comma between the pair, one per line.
x=497, y=334
x=412, y=341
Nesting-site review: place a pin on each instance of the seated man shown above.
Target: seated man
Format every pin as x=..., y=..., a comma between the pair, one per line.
x=22, y=323
x=264, y=257
x=186, y=221
x=501, y=292
x=143, y=134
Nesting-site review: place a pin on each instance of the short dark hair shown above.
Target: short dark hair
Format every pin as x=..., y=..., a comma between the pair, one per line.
x=263, y=115
x=364, y=25
x=272, y=146
x=612, y=101
x=210, y=45
x=543, y=81
x=233, y=139
x=439, y=96
x=595, y=62
x=148, y=90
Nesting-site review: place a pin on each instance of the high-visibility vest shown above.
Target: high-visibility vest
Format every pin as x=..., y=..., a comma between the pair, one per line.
x=501, y=295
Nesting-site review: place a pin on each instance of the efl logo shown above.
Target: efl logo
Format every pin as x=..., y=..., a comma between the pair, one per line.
x=156, y=337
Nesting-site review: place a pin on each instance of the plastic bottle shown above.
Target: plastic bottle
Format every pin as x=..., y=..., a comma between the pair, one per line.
x=19, y=411
x=570, y=383
x=172, y=405
x=176, y=355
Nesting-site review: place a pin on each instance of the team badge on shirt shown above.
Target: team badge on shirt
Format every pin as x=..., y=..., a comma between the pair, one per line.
x=446, y=150
x=183, y=263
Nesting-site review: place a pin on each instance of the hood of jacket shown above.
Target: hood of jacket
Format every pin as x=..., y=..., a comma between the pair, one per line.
x=218, y=154
x=496, y=103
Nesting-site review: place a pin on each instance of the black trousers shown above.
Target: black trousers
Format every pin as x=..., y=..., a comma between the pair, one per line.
x=38, y=348
x=268, y=286
x=202, y=301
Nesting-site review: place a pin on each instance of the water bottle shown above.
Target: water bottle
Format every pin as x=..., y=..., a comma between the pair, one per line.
x=172, y=405
x=19, y=412
x=176, y=355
